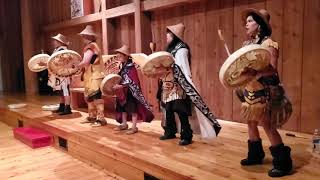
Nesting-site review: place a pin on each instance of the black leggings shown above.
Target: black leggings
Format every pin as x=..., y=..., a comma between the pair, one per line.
x=95, y=96
x=183, y=109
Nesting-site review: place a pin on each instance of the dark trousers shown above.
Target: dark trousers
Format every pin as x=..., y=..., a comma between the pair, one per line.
x=181, y=107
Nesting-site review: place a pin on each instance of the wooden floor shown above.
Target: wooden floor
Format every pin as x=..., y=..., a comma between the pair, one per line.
x=19, y=161
x=214, y=159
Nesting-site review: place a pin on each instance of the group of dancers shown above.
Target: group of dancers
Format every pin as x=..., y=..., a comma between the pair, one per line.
x=263, y=99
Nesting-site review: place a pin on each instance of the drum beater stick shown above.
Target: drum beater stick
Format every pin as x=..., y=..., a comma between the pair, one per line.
x=224, y=42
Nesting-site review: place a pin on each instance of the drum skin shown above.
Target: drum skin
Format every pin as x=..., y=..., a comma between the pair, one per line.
x=64, y=63
x=33, y=62
x=108, y=82
x=252, y=56
x=154, y=64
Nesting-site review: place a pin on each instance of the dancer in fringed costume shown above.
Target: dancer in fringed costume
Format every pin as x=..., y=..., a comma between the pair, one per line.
x=263, y=99
x=92, y=76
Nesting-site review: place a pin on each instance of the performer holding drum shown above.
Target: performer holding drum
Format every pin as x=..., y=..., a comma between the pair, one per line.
x=178, y=93
x=254, y=67
x=92, y=76
x=61, y=65
x=131, y=104
x=60, y=84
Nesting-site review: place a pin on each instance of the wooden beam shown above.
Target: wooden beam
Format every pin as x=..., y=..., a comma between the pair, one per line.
x=104, y=29
x=108, y=36
x=120, y=11
x=137, y=26
x=143, y=36
x=150, y=5
x=74, y=22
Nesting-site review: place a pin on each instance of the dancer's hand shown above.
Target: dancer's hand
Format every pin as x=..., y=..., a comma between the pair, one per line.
x=249, y=72
x=117, y=86
x=42, y=63
x=160, y=72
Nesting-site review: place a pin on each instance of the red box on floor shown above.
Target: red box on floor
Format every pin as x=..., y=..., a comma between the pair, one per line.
x=33, y=137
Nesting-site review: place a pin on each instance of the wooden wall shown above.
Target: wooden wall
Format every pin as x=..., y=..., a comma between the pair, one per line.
x=32, y=39
x=115, y=3
x=11, y=57
x=123, y=32
x=295, y=25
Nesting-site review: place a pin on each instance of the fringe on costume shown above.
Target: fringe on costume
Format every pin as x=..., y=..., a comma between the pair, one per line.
x=279, y=115
x=253, y=112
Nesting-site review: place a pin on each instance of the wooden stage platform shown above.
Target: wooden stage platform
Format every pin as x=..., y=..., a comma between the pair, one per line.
x=144, y=156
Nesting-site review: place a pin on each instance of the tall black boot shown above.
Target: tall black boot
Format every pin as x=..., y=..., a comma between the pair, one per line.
x=169, y=132
x=255, y=154
x=170, y=128
x=186, y=131
x=67, y=110
x=60, y=109
x=282, y=162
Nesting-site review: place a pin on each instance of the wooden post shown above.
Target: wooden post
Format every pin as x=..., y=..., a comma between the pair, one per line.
x=137, y=25
x=143, y=37
x=108, y=30
x=29, y=45
x=104, y=28
x=142, y=19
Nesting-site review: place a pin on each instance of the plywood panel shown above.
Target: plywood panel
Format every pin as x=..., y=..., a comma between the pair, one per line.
x=239, y=37
x=219, y=16
x=198, y=50
x=158, y=37
x=276, y=10
x=292, y=57
x=55, y=11
x=112, y=165
x=125, y=30
x=114, y=3
x=151, y=83
x=310, y=108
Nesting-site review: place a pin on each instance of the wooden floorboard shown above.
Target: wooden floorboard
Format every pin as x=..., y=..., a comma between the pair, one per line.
x=20, y=162
x=204, y=159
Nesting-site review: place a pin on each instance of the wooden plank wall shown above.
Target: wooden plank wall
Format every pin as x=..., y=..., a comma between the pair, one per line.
x=114, y=3
x=295, y=26
x=11, y=56
x=310, y=108
x=32, y=17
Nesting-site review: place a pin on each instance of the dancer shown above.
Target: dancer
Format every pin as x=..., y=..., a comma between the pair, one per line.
x=92, y=76
x=60, y=84
x=263, y=99
x=178, y=93
x=131, y=104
